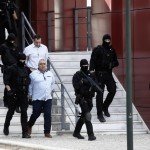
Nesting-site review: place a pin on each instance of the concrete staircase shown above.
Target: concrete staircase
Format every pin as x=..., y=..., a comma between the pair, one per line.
x=66, y=64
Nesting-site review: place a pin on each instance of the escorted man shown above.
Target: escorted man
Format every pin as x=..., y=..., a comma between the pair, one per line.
x=84, y=94
x=103, y=60
x=16, y=81
x=35, y=52
x=40, y=90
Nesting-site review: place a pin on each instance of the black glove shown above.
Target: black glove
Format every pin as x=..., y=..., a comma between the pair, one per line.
x=78, y=97
x=10, y=93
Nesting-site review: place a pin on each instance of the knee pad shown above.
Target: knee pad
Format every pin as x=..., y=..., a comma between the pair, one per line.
x=88, y=116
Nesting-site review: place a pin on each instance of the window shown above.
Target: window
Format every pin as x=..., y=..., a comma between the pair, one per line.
x=88, y=3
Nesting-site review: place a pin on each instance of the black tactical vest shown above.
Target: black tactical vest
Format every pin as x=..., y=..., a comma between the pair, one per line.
x=23, y=79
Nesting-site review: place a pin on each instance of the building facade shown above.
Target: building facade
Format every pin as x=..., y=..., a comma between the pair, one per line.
x=107, y=16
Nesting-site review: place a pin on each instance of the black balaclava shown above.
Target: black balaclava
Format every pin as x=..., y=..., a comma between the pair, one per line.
x=84, y=68
x=106, y=44
x=11, y=39
x=21, y=56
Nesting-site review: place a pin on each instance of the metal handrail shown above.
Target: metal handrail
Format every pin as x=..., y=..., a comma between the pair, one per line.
x=63, y=88
x=26, y=29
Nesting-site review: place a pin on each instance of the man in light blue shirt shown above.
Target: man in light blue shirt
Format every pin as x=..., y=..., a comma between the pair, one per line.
x=40, y=89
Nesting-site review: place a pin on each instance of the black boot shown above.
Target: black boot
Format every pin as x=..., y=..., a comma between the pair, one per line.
x=18, y=109
x=78, y=129
x=26, y=135
x=92, y=138
x=6, y=130
x=78, y=135
x=5, y=101
x=101, y=118
x=106, y=112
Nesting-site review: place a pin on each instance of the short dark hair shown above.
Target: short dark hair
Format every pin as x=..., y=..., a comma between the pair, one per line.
x=36, y=36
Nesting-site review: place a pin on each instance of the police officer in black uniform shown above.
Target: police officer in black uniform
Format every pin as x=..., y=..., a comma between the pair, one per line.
x=103, y=60
x=16, y=81
x=12, y=9
x=4, y=21
x=9, y=52
x=84, y=94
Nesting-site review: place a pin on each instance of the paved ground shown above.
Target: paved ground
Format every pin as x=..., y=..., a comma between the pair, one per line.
x=67, y=142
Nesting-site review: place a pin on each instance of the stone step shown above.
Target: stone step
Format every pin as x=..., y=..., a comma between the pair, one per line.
x=55, y=110
x=16, y=118
x=57, y=94
x=61, y=132
x=113, y=117
x=65, y=78
x=57, y=117
x=68, y=63
x=112, y=109
x=38, y=127
x=68, y=70
x=69, y=87
x=116, y=101
x=117, y=131
x=54, y=102
x=69, y=56
x=113, y=125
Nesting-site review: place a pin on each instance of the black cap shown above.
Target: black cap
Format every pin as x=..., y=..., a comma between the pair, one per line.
x=106, y=36
x=21, y=56
x=83, y=62
x=11, y=37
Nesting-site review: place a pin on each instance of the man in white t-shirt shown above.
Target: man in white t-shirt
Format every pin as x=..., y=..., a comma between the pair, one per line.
x=35, y=52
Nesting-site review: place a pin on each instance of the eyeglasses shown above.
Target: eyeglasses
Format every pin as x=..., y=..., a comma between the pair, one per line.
x=42, y=63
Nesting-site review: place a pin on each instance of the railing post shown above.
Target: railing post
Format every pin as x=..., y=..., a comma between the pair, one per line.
x=89, y=35
x=76, y=114
x=62, y=108
x=76, y=30
x=23, y=31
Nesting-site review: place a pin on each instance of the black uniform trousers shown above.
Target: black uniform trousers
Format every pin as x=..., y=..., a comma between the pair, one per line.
x=12, y=104
x=105, y=78
x=2, y=35
x=5, y=98
x=86, y=107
